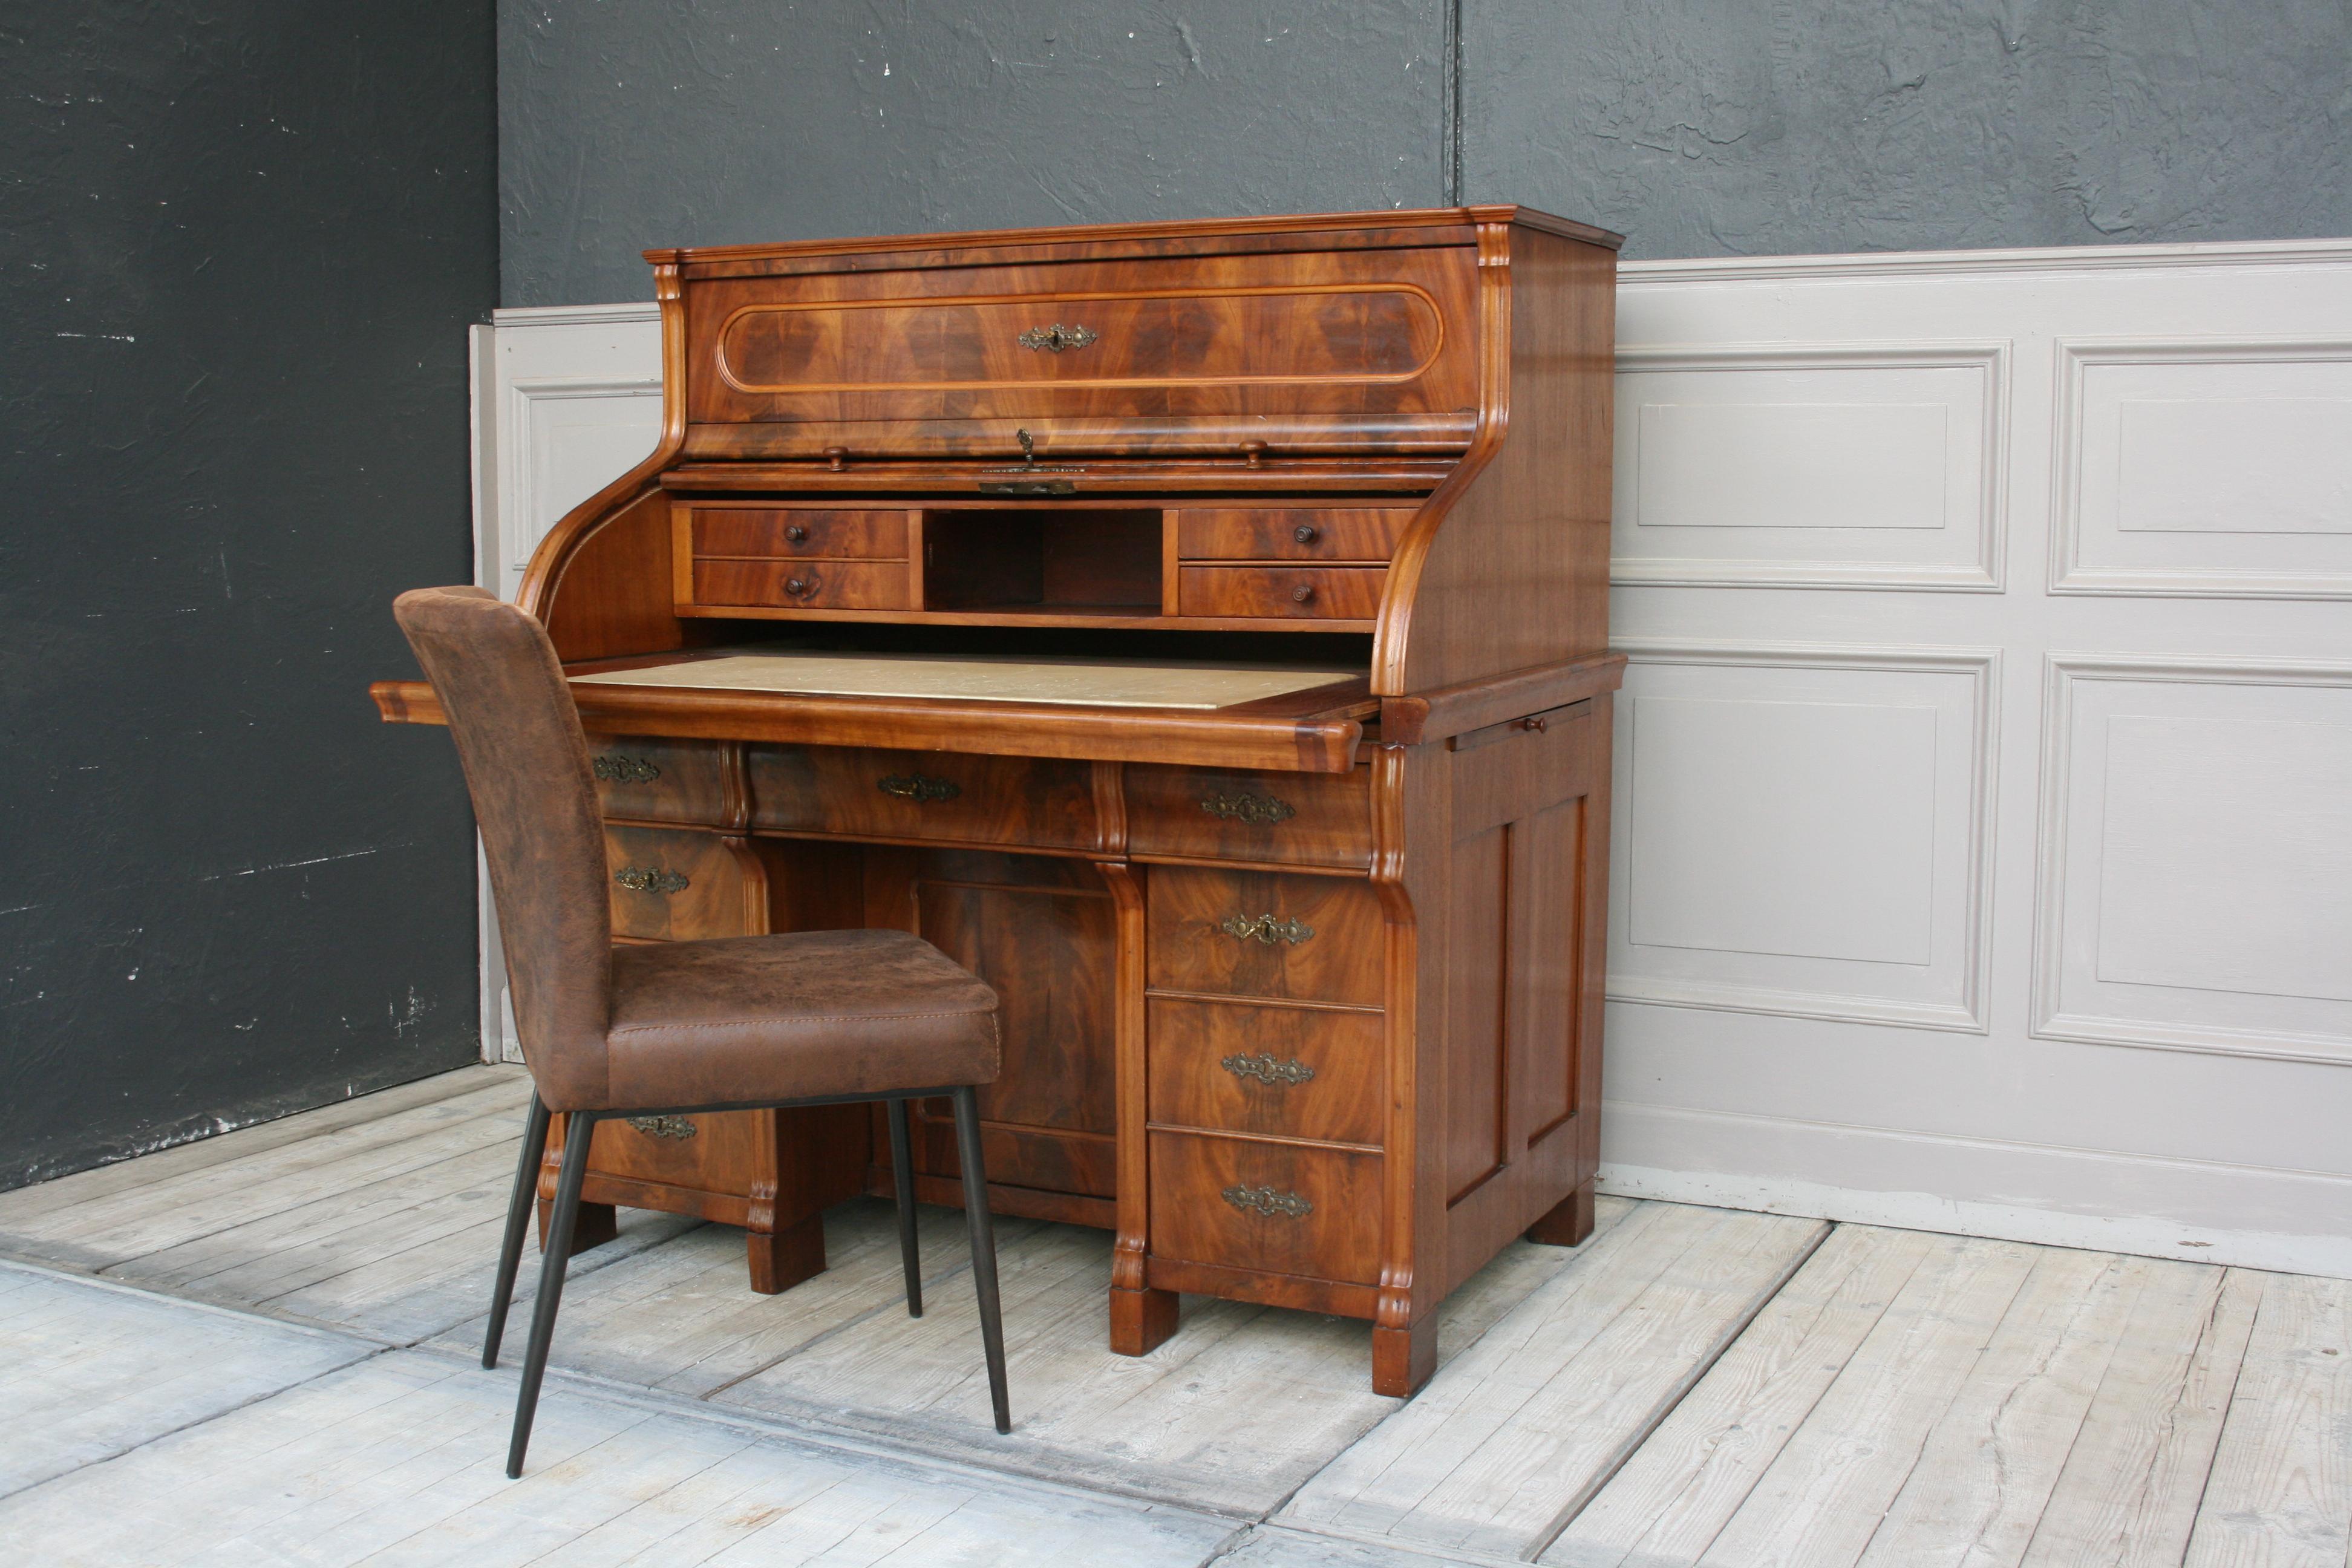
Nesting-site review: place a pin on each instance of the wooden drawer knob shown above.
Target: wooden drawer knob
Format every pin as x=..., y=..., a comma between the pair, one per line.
x=1304, y=593
x=1305, y=533
x=837, y=458
x=799, y=587
x=1271, y=1202
x=797, y=534
x=652, y=879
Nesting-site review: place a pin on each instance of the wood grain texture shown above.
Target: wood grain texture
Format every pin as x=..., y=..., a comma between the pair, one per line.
x=2281, y=1489
x=855, y=533
x=1516, y=1433
x=918, y=798
x=1292, y=593
x=1213, y=814
x=1293, y=1072
x=399, y=1456
x=1304, y=532
x=1303, y=939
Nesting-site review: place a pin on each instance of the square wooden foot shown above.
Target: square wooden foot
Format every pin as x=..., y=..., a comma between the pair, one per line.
x=1568, y=1223
x=781, y=1260
x=1402, y=1359
x=597, y=1224
x=1140, y=1320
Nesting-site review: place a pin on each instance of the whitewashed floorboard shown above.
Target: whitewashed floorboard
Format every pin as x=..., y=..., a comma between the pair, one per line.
x=20, y=1208
x=1818, y=1503
x=1280, y=1546
x=2128, y=1497
x=1683, y=1485
x=2281, y=1491
x=1512, y=1438
x=88, y=1372
x=1233, y=1413
x=401, y=1459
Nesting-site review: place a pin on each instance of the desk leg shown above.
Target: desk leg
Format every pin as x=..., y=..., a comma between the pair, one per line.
x=1140, y=1320
x=597, y=1224
x=1402, y=1359
x=1569, y=1222
x=783, y=1258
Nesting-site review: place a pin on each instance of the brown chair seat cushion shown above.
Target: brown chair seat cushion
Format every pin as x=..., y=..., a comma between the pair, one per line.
x=794, y=1017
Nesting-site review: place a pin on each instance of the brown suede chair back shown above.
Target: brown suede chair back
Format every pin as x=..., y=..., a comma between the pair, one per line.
x=503, y=691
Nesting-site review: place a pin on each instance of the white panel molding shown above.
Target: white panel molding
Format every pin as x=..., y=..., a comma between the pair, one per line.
x=2099, y=1199
x=523, y=514
x=2063, y=672
x=1959, y=265
x=2077, y=359
x=1981, y=572
x=1968, y=1015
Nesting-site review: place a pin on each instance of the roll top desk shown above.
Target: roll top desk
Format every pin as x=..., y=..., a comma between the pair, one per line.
x=1197, y=629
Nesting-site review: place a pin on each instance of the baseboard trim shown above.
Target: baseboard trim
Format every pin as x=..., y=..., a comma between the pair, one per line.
x=2194, y=1210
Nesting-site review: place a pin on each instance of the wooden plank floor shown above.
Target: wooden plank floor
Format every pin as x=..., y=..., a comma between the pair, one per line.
x=262, y=1348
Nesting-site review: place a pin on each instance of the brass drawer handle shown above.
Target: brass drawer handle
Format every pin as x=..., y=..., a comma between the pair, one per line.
x=918, y=787
x=665, y=1126
x=1242, y=806
x=1270, y=1202
x=1267, y=928
x=624, y=770
x=651, y=880
x=1056, y=338
x=802, y=587
x=1264, y=1068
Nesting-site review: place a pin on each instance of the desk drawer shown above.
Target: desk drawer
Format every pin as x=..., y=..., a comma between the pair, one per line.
x=802, y=585
x=676, y=885
x=1240, y=1203
x=923, y=797
x=1290, y=533
x=1254, y=934
x=644, y=780
x=1283, y=592
x=1243, y=1066
x=759, y=531
x=1211, y=814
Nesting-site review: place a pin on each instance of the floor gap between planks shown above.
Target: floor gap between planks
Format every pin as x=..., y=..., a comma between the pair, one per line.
x=1691, y=1386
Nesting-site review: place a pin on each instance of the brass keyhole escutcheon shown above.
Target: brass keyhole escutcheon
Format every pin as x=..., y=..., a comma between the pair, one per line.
x=651, y=880
x=1268, y=928
x=1271, y=1202
x=1056, y=338
x=1268, y=1068
x=1240, y=806
x=618, y=769
x=918, y=787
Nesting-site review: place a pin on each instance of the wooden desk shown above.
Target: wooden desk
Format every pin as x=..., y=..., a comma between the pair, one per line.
x=1199, y=630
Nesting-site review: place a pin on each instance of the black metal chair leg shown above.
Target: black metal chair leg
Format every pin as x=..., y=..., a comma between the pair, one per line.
x=578, y=1134
x=902, y=1180
x=983, y=1250
x=525, y=1190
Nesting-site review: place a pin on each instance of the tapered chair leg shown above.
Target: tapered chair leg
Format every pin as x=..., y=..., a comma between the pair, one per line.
x=579, y=1131
x=902, y=1180
x=526, y=1191
x=983, y=1250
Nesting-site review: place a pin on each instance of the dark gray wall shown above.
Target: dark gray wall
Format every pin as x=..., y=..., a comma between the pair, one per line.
x=240, y=243
x=1698, y=127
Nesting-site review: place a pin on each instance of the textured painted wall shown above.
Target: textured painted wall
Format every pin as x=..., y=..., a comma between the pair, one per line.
x=1699, y=127
x=713, y=121
x=239, y=242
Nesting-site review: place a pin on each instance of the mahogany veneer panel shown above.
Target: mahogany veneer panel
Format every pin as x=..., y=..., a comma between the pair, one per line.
x=1310, y=939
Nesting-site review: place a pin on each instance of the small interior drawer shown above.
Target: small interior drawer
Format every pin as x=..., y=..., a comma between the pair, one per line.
x=1276, y=1207
x=802, y=585
x=1258, y=933
x=799, y=531
x=1215, y=814
x=937, y=797
x=1249, y=1066
x=1286, y=593
x=1290, y=533
x=678, y=885
x=640, y=779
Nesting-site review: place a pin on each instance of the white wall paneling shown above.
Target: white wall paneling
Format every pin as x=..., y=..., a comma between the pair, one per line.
x=2196, y=876
x=1984, y=804
x=1802, y=829
x=2197, y=468
x=1861, y=465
